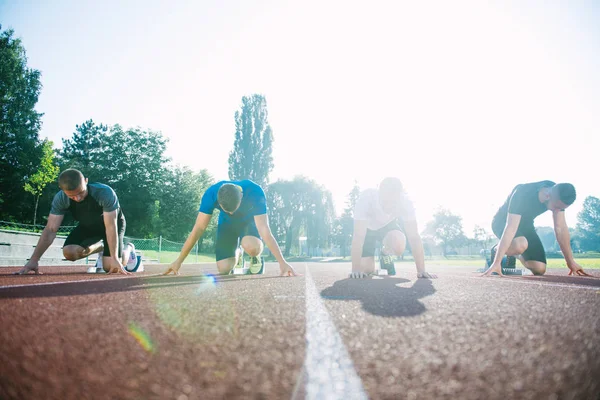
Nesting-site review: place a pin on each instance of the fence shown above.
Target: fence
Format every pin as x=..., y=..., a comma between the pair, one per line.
x=158, y=249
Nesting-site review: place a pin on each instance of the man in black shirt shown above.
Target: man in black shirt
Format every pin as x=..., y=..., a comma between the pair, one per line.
x=513, y=225
x=101, y=223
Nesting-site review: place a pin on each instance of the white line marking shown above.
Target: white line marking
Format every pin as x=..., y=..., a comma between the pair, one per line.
x=329, y=369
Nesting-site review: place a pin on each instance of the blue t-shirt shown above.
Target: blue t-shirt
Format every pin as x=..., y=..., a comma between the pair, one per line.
x=253, y=202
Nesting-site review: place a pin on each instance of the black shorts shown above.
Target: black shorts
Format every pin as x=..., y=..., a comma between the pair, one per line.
x=85, y=237
x=372, y=238
x=535, y=249
x=229, y=233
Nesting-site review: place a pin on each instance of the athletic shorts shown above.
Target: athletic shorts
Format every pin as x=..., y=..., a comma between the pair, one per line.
x=373, y=238
x=229, y=233
x=535, y=249
x=85, y=237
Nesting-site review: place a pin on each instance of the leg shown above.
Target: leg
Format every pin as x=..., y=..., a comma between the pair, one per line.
x=120, y=236
x=517, y=246
x=394, y=243
x=81, y=243
x=534, y=258
x=252, y=245
x=226, y=246
x=367, y=261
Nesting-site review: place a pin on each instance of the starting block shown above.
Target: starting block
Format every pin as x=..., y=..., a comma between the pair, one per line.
x=240, y=270
x=380, y=272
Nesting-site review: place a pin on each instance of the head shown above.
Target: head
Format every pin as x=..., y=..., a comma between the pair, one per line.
x=229, y=197
x=391, y=193
x=561, y=196
x=73, y=183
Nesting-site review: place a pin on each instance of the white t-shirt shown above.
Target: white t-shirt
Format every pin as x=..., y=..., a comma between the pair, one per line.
x=368, y=209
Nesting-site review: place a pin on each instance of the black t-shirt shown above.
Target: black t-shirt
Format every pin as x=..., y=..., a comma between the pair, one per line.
x=524, y=201
x=100, y=199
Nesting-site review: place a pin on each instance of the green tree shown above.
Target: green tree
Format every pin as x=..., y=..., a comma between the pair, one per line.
x=300, y=207
x=344, y=225
x=85, y=150
x=180, y=199
x=251, y=157
x=131, y=161
x=446, y=229
x=20, y=150
x=46, y=173
x=588, y=224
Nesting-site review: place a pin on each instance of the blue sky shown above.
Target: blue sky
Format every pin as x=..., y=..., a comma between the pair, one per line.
x=460, y=100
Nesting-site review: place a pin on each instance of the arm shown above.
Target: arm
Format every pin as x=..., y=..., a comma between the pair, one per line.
x=416, y=245
x=512, y=224
x=45, y=240
x=264, y=230
x=358, y=240
x=561, y=230
x=202, y=221
x=112, y=237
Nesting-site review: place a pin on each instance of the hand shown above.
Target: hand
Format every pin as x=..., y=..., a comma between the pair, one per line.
x=576, y=269
x=358, y=275
x=32, y=265
x=495, y=267
x=114, y=266
x=173, y=267
x=426, y=275
x=287, y=270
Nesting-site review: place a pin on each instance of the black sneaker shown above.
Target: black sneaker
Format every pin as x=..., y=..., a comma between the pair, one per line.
x=387, y=262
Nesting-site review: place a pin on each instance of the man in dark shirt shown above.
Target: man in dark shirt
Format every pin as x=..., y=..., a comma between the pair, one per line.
x=101, y=223
x=513, y=225
x=242, y=221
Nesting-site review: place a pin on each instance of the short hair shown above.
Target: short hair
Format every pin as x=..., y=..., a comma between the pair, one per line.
x=391, y=187
x=566, y=193
x=70, y=179
x=229, y=197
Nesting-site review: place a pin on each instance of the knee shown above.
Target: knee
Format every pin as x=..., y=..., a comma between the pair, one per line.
x=253, y=246
x=539, y=269
x=395, y=242
x=71, y=254
x=519, y=245
x=225, y=266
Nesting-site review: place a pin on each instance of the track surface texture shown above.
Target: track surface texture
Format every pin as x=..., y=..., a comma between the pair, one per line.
x=71, y=335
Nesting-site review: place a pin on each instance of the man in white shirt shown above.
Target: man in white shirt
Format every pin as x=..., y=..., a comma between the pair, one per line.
x=385, y=215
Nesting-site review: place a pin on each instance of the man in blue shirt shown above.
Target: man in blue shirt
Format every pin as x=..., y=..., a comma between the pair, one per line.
x=242, y=220
x=101, y=224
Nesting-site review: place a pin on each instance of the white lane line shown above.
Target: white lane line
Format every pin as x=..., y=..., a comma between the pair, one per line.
x=528, y=282
x=329, y=369
x=74, y=281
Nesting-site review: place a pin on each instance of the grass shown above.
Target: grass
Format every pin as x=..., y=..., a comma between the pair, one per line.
x=586, y=263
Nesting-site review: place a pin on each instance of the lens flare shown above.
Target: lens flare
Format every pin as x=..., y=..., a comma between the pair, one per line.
x=142, y=337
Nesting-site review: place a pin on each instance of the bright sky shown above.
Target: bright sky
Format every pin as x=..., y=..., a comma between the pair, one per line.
x=461, y=100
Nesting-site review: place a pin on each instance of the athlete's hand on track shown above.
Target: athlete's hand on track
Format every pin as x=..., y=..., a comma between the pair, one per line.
x=426, y=275
x=174, y=268
x=114, y=266
x=577, y=270
x=287, y=270
x=30, y=266
x=493, y=268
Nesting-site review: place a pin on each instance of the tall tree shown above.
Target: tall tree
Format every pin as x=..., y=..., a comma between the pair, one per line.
x=85, y=150
x=300, y=206
x=20, y=150
x=446, y=229
x=344, y=225
x=588, y=224
x=131, y=161
x=47, y=172
x=179, y=201
x=251, y=157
